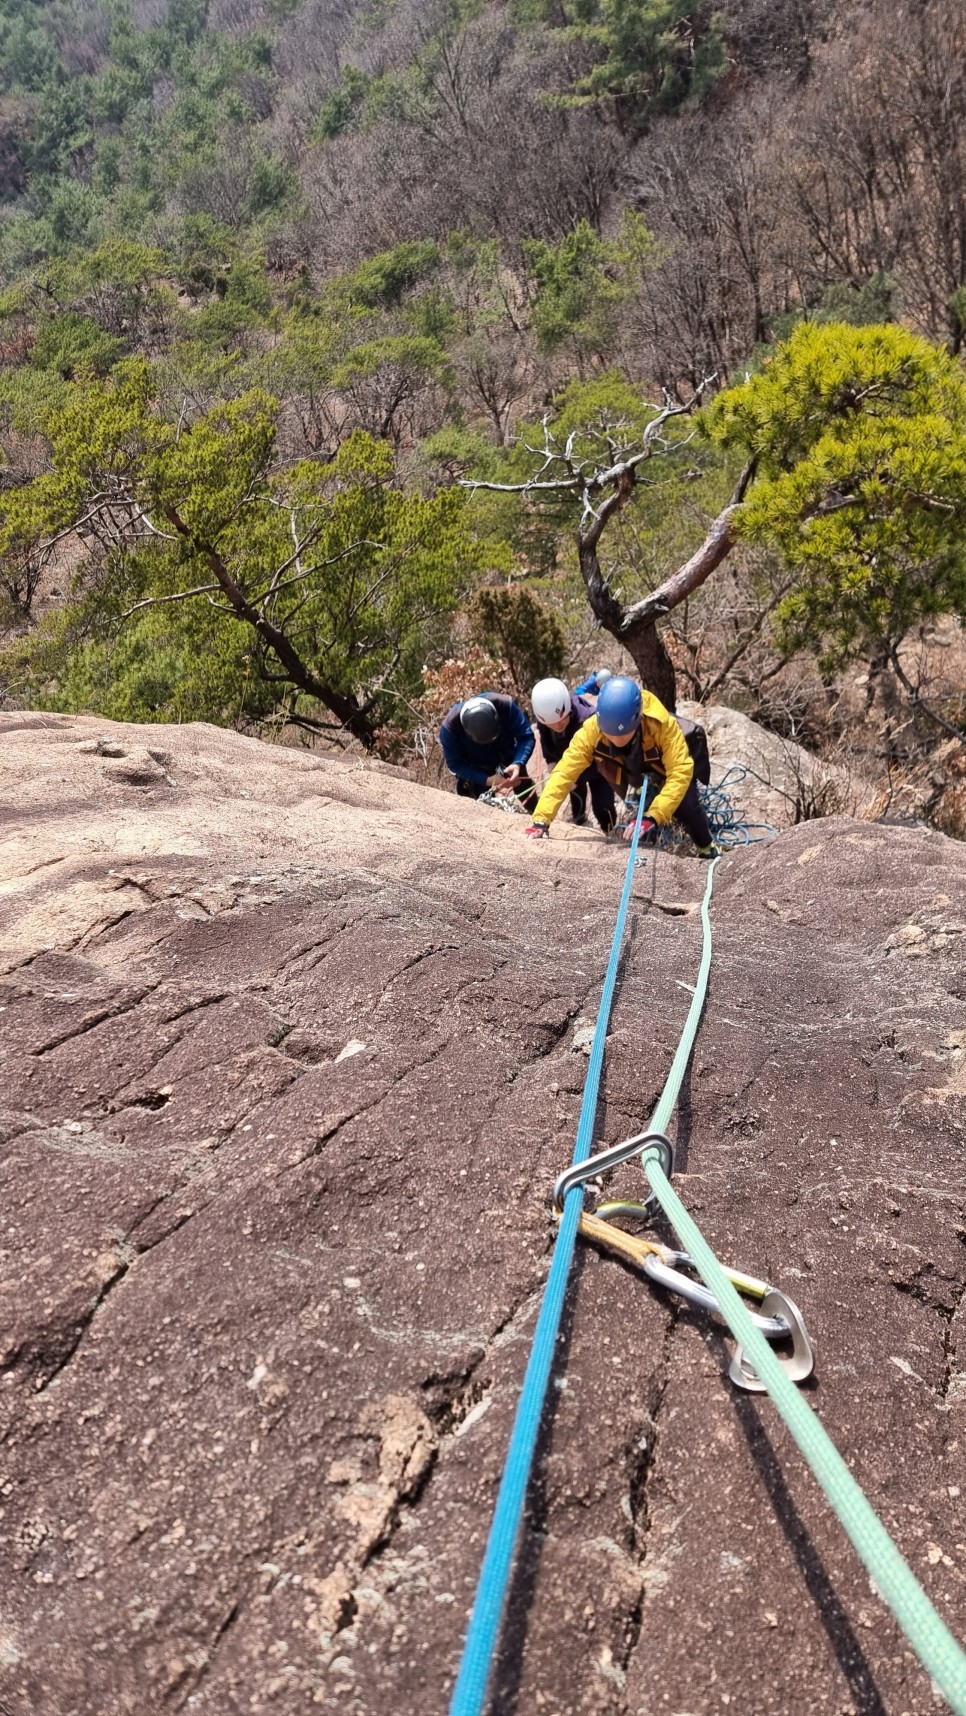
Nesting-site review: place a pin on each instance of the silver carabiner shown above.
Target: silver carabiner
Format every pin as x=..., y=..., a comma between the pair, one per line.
x=578, y=1172
x=696, y=1293
x=780, y=1318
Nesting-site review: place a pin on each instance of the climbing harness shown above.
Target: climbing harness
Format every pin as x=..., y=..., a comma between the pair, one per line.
x=755, y=1362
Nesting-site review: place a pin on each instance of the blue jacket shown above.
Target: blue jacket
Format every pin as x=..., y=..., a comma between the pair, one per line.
x=470, y=762
x=587, y=687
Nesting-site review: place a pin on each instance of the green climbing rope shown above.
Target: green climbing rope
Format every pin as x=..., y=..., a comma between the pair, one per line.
x=926, y=1631
x=931, y=1639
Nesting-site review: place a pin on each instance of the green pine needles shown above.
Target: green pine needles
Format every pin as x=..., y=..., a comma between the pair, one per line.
x=859, y=435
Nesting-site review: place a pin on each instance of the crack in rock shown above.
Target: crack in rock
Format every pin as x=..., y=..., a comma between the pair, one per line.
x=92, y=1020
x=194, y=1005
x=114, y=1265
x=188, y=1676
x=413, y=1438
x=953, y=1389
x=408, y=1450
x=945, y=1297
x=332, y=1124
x=410, y=965
x=643, y=1459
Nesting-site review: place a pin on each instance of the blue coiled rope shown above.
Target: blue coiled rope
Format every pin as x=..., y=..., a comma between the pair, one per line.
x=728, y=824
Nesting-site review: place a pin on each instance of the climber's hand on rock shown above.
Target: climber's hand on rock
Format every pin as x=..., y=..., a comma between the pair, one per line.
x=647, y=827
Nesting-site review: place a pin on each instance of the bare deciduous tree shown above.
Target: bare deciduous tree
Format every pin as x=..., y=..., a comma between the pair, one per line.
x=878, y=163
x=602, y=491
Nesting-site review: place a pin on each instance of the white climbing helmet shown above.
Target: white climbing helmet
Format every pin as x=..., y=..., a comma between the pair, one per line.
x=550, y=700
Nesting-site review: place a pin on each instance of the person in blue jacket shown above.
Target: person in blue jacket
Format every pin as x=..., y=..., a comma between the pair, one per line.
x=487, y=742
x=559, y=716
x=590, y=686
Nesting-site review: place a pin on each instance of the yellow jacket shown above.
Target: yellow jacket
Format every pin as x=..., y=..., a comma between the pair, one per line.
x=657, y=747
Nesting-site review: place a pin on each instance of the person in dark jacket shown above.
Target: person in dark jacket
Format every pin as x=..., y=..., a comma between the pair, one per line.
x=559, y=716
x=487, y=742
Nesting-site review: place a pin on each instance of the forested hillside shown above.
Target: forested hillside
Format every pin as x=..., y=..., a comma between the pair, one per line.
x=278, y=279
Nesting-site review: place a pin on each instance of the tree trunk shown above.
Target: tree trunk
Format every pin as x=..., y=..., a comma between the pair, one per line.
x=635, y=628
x=640, y=638
x=299, y=674
x=607, y=609
x=716, y=547
x=646, y=645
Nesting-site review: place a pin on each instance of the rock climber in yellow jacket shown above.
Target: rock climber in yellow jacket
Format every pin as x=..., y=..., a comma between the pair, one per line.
x=632, y=736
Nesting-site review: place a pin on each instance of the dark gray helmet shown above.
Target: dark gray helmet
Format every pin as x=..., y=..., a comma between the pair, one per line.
x=479, y=720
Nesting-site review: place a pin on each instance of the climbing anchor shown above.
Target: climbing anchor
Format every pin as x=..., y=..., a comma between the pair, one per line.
x=779, y=1318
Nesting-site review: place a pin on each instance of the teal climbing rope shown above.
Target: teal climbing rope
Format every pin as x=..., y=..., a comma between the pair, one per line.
x=933, y=1643
x=668, y=1100
x=927, y=1632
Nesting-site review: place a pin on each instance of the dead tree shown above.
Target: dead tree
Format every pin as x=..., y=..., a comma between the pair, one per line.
x=602, y=491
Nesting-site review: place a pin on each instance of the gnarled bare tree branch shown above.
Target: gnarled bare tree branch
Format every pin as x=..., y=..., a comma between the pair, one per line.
x=634, y=627
x=919, y=702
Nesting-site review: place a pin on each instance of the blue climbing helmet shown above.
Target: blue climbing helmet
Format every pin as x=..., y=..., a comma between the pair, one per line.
x=479, y=720
x=618, y=706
